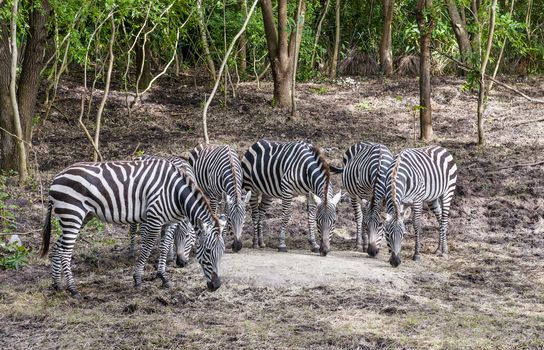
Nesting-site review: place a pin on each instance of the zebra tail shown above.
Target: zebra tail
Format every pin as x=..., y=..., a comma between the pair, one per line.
x=46, y=235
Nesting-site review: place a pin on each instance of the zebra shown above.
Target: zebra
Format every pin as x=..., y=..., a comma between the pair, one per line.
x=363, y=177
x=415, y=176
x=219, y=174
x=183, y=232
x=152, y=192
x=284, y=170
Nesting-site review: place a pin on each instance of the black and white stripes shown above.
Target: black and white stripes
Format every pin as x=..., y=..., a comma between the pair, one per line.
x=415, y=176
x=363, y=177
x=152, y=192
x=219, y=174
x=284, y=170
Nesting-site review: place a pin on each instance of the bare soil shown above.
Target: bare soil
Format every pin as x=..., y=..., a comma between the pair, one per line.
x=487, y=294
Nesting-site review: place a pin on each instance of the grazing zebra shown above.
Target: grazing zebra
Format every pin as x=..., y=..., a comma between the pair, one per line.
x=363, y=176
x=152, y=192
x=219, y=174
x=284, y=170
x=419, y=175
x=183, y=231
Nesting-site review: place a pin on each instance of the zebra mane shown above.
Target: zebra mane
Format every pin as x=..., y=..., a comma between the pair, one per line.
x=375, y=179
x=234, y=177
x=326, y=171
x=394, y=184
x=199, y=194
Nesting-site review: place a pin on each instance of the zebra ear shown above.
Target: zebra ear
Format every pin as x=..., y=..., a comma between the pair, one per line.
x=388, y=217
x=247, y=197
x=364, y=202
x=315, y=198
x=203, y=227
x=222, y=222
x=407, y=213
x=336, y=198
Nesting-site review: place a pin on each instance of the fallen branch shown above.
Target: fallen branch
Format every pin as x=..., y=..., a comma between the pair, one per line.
x=512, y=166
x=19, y=233
x=468, y=69
x=217, y=80
x=529, y=122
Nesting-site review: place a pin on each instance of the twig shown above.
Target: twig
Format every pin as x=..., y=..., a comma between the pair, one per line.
x=216, y=85
x=529, y=122
x=467, y=68
x=512, y=166
x=19, y=233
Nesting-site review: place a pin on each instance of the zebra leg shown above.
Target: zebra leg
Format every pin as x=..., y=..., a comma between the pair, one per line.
x=254, y=203
x=263, y=206
x=149, y=232
x=364, y=228
x=285, y=216
x=56, y=267
x=436, y=208
x=417, y=209
x=312, y=227
x=359, y=222
x=63, y=253
x=165, y=248
x=132, y=234
x=446, y=202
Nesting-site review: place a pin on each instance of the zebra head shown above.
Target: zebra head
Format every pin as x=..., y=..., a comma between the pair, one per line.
x=394, y=233
x=374, y=224
x=184, y=239
x=326, y=219
x=209, y=250
x=236, y=214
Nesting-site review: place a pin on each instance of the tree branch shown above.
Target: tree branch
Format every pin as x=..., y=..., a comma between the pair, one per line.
x=218, y=78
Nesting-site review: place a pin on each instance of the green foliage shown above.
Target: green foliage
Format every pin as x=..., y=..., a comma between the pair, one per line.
x=321, y=90
x=13, y=256
x=96, y=224
x=57, y=230
x=7, y=217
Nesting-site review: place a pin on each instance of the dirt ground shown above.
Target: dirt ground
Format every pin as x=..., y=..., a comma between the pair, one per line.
x=487, y=294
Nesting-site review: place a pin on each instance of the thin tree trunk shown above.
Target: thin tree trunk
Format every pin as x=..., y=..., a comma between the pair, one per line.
x=386, y=53
x=21, y=153
x=223, y=64
x=426, y=26
x=460, y=31
x=482, y=92
x=204, y=39
x=243, y=42
x=106, y=91
x=8, y=142
x=334, y=61
x=299, y=22
x=142, y=65
x=318, y=33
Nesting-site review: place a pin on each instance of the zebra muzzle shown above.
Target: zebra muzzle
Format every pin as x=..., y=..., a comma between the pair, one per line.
x=372, y=250
x=236, y=245
x=180, y=262
x=394, y=260
x=215, y=282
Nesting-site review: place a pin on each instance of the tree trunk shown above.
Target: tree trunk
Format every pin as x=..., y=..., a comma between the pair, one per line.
x=204, y=39
x=243, y=42
x=426, y=26
x=482, y=93
x=8, y=158
x=33, y=62
x=143, y=68
x=318, y=33
x=386, y=53
x=334, y=61
x=460, y=31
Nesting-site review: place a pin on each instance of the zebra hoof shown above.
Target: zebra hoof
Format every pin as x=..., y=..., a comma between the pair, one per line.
x=167, y=285
x=282, y=249
x=315, y=249
x=416, y=258
x=137, y=282
x=75, y=294
x=262, y=245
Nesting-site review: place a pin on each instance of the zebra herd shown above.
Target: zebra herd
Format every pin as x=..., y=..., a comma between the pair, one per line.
x=184, y=198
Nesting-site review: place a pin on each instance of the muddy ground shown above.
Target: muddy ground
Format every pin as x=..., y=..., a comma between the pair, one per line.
x=488, y=294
